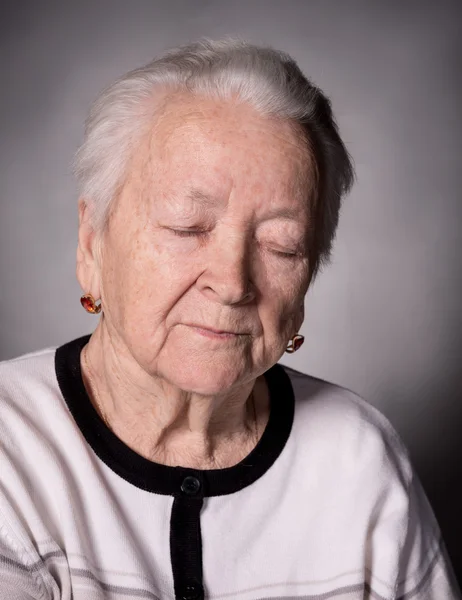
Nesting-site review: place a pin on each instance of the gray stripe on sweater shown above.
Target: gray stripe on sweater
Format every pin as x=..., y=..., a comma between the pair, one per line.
x=140, y=593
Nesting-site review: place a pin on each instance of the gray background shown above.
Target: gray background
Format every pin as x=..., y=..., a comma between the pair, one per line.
x=384, y=319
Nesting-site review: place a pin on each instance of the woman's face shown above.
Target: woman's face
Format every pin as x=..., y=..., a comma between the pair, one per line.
x=210, y=231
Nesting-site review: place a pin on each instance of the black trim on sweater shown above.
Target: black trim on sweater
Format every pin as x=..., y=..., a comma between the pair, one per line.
x=163, y=479
x=186, y=547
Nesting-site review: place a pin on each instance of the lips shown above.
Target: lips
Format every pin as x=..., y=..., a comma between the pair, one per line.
x=213, y=330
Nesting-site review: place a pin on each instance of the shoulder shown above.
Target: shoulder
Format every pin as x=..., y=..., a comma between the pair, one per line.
x=35, y=425
x=354, y=459
x=32, y=362
x=26, y=370
x=347, y=427
x=29, y=394
x=342, y=407
x=27, y=375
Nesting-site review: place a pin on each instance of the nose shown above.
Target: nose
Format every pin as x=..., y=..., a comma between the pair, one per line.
x=227, y=277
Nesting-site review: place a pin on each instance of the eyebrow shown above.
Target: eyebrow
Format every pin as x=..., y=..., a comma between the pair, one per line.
x=204, y=199
x=285, y=213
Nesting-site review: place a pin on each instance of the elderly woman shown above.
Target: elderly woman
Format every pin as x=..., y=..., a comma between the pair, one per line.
x=168, y=455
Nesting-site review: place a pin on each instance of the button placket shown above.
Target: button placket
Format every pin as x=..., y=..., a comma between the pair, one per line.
x=190, y=485
x=185, y=537
x=192, y=592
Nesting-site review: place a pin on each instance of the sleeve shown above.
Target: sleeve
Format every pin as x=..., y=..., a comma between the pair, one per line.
x=23, y=573
x=425, y=571
x=19, y=570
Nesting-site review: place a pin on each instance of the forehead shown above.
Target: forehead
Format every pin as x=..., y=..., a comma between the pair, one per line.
x=228, y=143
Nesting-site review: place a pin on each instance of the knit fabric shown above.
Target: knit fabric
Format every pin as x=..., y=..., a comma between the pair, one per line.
x=336, y=511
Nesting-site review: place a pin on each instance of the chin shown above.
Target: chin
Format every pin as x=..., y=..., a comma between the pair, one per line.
x=205, y=376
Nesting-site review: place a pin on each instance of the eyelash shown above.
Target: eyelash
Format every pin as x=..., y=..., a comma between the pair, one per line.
x=286, y=254
x=198, y=232
x=187, y=232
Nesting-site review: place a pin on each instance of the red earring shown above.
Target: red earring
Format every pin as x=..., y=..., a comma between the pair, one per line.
x=295, y=343
x=89, y=304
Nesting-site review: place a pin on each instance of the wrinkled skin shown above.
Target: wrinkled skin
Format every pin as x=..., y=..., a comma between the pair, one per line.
x=211, y=228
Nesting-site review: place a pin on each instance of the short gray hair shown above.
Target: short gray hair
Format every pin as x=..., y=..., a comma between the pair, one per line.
x=267, y=79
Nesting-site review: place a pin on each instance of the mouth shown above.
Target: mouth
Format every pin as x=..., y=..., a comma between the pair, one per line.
x=215, y=333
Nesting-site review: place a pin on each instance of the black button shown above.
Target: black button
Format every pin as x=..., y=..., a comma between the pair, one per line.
x=192, y=592
x=190, y=486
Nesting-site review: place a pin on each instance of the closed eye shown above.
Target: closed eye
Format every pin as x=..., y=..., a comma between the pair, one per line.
x=290, y=254
x=286, y=254
x=188, y=232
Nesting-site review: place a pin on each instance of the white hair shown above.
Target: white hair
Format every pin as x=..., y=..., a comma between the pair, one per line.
x=267, y=79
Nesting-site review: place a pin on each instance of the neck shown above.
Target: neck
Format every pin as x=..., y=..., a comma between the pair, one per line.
x=164, y=423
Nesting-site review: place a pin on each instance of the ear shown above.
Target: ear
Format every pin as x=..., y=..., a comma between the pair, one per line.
x=300, y=317
x=88, y=264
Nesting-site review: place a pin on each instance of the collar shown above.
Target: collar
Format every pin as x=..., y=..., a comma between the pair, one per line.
x=167, y=480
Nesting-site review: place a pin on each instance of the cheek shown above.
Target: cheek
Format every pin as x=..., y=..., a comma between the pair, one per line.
x=142, y=282
x=285, y=283
x=280, y=306
x=125, y=274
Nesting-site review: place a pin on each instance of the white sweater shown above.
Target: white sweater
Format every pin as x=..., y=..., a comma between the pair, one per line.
x=325, y=507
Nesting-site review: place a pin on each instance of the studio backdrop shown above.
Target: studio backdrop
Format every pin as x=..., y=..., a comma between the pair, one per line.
x=384, y=319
